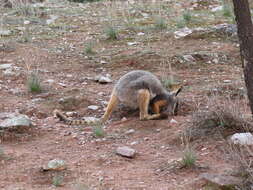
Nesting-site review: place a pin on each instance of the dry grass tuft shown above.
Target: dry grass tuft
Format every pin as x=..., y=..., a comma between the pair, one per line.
x=222, y=117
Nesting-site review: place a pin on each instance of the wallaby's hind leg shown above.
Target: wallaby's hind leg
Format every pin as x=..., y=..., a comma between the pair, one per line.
x=110, y=107
x=143, y=100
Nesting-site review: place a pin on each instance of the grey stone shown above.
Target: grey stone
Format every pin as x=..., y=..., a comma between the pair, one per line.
x=5, y=32
x=5, y=66
x=222, y=181
x=242, y=138
x=126, y=151
x=93, y=107
x=55, y=165
x=17, y=121
x=102, y=79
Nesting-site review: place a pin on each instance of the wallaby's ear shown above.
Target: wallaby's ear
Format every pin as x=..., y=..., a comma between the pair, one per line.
x=175, y=91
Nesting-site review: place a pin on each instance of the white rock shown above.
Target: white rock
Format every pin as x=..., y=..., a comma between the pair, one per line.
x=134, y=143
x=141, y=34
x=242, y=138
x=103, y=79
x=126, y=151
x=218, y=8
x=173, y=121
x=5, y=66
x=5, y=32
x=17, y=121
x=182, y=33
x=52, y=19
x=62, y=84
x=50, y=81
x=132, y=43
x=227, y=81
x=130, y=131
x=93, y=107
x=27, y=22
x=55, y=165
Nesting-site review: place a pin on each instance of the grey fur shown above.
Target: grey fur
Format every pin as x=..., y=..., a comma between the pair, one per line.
x=128, y=85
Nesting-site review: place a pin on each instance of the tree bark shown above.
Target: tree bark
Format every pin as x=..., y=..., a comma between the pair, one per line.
x=245, y=35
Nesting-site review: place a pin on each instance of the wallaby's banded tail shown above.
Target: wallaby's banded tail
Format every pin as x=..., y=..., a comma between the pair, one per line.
x=65, y=119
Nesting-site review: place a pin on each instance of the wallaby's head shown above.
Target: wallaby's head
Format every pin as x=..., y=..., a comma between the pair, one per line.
x=167, y=103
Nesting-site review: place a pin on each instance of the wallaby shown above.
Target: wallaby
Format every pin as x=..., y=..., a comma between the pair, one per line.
x=138, y=89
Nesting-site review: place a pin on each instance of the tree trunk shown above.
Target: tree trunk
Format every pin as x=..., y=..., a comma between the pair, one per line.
x=245, y=35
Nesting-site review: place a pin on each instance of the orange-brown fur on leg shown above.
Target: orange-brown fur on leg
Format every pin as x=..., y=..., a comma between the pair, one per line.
x=143, y=99
x=110, y=107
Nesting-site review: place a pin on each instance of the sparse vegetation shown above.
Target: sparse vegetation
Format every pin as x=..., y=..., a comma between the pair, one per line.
x=227, y=10
x=160, y=23
x=57, y=180
x=218, y=117
x=34, y=84
x=189, y=158
x=89, y=49
x=98, y=130
x=111, y=33
x=187, y=16
x=25, y=8
x=241, y=156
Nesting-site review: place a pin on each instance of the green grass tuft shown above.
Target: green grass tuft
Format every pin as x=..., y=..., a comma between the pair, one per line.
x=187, y=16
x=160, y=23
x=111, y=33
x=34, y=84
x=57, y=180
x=189, y=158
x=98, y=130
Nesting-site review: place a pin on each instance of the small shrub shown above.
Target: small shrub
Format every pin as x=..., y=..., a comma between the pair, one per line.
x=25, y=8
x=98, y=130
x=57, y=180
x=88, y=49
x=111, y=33
x=218, y=117
x=189, y=158
x=180, y=23
x=187, y=16
x=160, y=23
x=34, y=84
x=226, y=10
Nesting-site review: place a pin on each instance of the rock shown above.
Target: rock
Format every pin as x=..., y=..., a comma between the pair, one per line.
x=222, y=181
x=16, y=121
x=132, y=43
x=182, y=33
x=26, y=22
x=130, y=131
x=5, y=66
x=5, y=32
x=226, y=29
x=9, y=72
x=242, y=138
x=173, y=121
x=56, y=165
x=93, y=107
x=102, y=79
x=52, y=19
x=218, y=8
x=126, y=152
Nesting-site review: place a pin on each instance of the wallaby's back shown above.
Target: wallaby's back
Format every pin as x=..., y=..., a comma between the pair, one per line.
x=127, y=87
